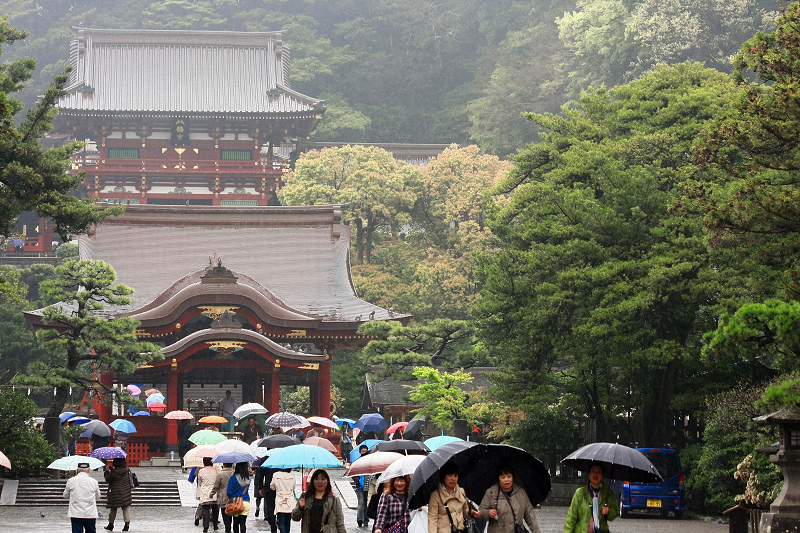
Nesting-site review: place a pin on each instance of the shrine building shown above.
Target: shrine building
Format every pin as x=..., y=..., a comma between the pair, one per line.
x=183, y=117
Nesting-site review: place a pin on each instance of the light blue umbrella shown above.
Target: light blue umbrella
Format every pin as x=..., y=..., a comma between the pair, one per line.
x=436, y=442
x=80, y=420
x=350, y=421
x=71, y=463
x=155, y=398
x=369, y=443
x=125, y=426
x=301, y=456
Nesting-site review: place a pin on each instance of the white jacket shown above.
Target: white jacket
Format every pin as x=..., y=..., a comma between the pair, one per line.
x=283, y=485
x=82, y=492
x=206, y=477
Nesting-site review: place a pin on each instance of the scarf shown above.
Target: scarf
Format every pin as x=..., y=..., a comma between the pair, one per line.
x=594, y=526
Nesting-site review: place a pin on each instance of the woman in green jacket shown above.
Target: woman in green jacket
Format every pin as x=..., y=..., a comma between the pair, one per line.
x=593, y=505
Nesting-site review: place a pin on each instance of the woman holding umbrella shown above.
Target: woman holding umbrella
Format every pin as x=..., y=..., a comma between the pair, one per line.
x=393, y=513
x=593, y=505
x=119, y=492
x=318, y=509
x=238, y=487
x=505, y=505
x=448, y=508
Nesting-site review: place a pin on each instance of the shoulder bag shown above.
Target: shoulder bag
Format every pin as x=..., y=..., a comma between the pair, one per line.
x=518, y=528
x=133, y=480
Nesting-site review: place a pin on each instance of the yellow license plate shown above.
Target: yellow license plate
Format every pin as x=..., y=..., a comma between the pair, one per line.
x=654, y=503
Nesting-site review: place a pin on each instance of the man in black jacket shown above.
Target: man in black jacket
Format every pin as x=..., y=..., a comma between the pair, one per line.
x=261, y=487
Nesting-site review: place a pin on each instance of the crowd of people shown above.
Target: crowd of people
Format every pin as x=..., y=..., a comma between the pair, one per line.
x=224, y=493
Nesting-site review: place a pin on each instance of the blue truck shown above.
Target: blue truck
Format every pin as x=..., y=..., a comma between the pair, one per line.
x=665, y=496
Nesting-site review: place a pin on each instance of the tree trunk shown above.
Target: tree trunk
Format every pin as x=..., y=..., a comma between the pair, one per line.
x=359, y=241
x=370, y=231
x=654, y=425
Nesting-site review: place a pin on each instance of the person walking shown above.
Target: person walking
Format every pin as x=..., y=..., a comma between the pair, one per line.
x=220, y=491
x=119, y=492
x=228, y=405
x=318, y=510
x=82, y=492
x=505, y=504
x=593, y=506
x=263, y=480
x=206, y=478
x=362, y=490
x=448, y=507
x=238, y=487
x=393, y=513
x=283, y=484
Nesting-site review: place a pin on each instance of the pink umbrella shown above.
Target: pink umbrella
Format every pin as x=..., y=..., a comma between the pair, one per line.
x=148, y=392
x=322, y=443
x=179, y=415
x=372, y=463
x=4, y=461
x=133, y=389
x=319, y=420
x=394, y=427
x=157, y=406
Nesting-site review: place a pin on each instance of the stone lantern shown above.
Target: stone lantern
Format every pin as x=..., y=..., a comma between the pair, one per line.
x=784, y=512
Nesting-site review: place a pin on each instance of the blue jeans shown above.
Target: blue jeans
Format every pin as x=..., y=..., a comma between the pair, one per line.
x=79, y=525
x=362, y=506
x=284, y=522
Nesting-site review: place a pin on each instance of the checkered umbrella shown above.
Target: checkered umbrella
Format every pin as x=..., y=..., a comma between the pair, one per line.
x=286, y=420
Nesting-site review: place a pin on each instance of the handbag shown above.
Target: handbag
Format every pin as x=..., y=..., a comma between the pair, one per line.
x=133, y=480
x=453, y=528
x=235, y=506
x=518, y=528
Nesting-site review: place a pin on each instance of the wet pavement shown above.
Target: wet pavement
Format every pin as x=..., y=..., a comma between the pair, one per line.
x=181, y=519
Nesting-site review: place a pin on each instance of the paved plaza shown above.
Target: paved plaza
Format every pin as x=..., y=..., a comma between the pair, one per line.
x=181, y=519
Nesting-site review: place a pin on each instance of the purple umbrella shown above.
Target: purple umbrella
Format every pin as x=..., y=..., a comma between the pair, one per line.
x=108, y=452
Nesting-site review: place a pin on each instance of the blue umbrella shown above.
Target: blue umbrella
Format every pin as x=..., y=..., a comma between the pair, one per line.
x=371, y=422
x=15, y=241
x=80, y=420
x=141, y=413
x=234, y=457
x=125, y=426
x=350, y=421
x=301, y=456
x=66, y=415
x=369, y=443
x=108, y=452
x=436, y=442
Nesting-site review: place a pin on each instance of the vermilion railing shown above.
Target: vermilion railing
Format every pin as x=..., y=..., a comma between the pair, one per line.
x=172, y=166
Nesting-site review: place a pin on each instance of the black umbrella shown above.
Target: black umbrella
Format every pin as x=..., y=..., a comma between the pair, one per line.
x=413, y=430
x=406, y=447
x=619, y=462
x=479, y=464
x=280, y=440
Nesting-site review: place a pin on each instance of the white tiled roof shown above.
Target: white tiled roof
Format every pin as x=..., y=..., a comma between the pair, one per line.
x=191, y=72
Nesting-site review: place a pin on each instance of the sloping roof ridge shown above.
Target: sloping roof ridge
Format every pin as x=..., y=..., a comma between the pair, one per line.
x=181, y=37
x=239, y=334
x=299, y=96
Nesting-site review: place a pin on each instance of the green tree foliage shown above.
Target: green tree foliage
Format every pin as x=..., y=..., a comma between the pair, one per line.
x=598, y=289
x=347, y=375
x=33, y=179
x=79, y=339
x=379, y=190
x=20, y=441
x=449, y=344
x=729, y=436
x=546, y=429
x=443, y=396
x=298, y=401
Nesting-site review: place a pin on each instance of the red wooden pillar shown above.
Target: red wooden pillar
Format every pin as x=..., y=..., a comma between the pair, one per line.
x=172, y=405
x=274, y=392
x=324, y=389
x=102, y=404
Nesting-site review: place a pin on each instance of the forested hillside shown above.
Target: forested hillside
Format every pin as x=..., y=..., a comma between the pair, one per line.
x=428, y=71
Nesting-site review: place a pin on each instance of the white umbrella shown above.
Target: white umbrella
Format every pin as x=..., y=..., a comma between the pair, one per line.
x=406, y=465
x=249, y=409
x=233, y=445
x=71, y=462
x=5, y=461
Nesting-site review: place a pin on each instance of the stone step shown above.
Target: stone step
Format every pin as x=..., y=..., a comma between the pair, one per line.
x=36, y=493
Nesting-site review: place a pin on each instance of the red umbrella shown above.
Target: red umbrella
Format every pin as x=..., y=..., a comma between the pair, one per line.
x=157, y=406
x=394, y=427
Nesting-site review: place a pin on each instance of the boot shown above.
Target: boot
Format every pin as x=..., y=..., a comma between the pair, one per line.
x=109, y=527
x=127, y=526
